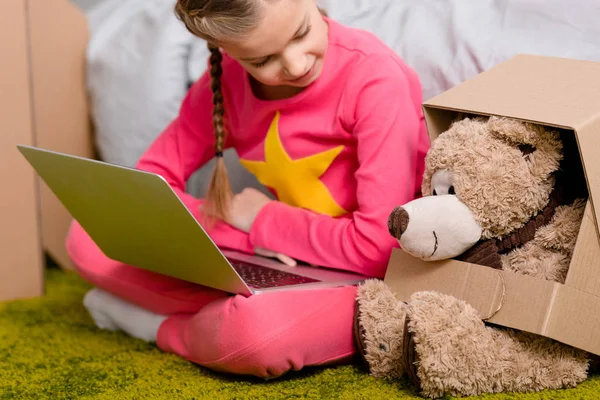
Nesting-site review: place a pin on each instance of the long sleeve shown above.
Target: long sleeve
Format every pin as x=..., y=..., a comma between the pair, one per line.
x=183, y=147
x=382, y=109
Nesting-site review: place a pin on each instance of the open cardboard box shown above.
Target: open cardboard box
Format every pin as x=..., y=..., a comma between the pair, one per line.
x=42, y=102
x=556, y=92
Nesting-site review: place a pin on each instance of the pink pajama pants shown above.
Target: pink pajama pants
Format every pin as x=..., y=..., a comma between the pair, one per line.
x=265, y=335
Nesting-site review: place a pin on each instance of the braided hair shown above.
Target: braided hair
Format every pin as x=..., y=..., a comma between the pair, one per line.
x=219, y=191
x=213, y=20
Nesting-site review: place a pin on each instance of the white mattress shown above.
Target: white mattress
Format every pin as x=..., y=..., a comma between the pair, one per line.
x=449, y=41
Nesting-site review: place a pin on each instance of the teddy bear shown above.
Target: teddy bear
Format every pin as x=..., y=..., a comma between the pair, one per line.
x=497, y=192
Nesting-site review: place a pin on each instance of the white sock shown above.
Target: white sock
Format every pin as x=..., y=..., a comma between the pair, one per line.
x=112, y=313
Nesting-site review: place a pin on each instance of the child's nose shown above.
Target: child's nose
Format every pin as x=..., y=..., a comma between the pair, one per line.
x=294, y=66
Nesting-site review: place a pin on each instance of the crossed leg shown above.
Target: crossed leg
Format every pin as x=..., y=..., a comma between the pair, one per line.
x=265, y=335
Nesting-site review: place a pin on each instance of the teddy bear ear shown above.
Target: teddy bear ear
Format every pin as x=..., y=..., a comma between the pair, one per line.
x=515, y=131
x=528, y=137
x=541, y=147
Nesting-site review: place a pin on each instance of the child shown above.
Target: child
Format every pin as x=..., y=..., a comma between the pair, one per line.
x=327, y=117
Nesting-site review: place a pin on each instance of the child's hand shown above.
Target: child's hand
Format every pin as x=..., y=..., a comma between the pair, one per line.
x=281, y=257
x=245, y=206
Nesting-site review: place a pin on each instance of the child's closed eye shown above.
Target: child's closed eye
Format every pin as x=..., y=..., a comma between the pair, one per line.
x=265, y=60
x=304, y=33
x=262, y=62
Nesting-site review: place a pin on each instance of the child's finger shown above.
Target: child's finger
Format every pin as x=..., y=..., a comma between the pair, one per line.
x=281, y=257
x=286, y=260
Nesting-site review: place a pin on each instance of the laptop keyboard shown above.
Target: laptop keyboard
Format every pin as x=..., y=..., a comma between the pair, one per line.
x=259, y=277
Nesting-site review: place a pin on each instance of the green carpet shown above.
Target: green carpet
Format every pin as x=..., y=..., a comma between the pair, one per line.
x=50, y=349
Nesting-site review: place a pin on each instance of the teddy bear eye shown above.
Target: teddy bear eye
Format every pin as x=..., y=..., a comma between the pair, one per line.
x=442, y=182
x=383, y=347
x=526, y=149
x=450, y=191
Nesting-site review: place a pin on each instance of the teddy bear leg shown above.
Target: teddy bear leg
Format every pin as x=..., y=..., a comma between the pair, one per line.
x=459, y=355
x=379, y=320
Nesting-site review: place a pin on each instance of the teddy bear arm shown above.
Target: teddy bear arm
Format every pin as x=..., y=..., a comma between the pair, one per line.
x=562, y=231
x=538, y=262
x=549, y=254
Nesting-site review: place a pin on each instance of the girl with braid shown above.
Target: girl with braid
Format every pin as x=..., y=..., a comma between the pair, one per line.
x=325, y=116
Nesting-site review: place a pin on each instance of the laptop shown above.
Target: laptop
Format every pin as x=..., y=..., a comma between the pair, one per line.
x=136, y=218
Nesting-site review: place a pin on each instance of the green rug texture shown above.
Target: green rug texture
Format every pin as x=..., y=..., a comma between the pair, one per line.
x=50, y=349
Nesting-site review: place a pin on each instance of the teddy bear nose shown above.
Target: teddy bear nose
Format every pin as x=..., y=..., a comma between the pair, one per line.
x=398, y=222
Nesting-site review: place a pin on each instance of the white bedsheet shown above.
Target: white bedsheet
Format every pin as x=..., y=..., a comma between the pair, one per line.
x=141, y=58
x=449, y=41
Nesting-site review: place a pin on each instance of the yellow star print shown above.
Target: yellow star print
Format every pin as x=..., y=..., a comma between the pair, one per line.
x=296, y=182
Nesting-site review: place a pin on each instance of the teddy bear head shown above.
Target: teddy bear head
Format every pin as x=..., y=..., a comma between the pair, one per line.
x=485, y=177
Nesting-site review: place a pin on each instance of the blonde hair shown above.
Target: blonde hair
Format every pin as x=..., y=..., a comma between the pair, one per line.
x=216, y=21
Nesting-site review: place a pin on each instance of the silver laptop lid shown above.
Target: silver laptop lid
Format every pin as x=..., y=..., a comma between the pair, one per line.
x=135, y=217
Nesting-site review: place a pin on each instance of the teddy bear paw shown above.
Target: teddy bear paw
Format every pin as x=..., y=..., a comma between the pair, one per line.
x=379, y=321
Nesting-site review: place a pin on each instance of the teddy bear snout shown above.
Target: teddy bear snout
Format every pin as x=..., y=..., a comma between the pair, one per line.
x=398, y=222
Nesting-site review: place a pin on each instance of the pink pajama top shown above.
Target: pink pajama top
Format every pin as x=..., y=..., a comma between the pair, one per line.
x=339, y=156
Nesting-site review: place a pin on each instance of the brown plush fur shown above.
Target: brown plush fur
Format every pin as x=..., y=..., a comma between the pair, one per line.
x=382, y=319
x=503, y=171
x=459, y=355
x=501, y=185
x=548, y=255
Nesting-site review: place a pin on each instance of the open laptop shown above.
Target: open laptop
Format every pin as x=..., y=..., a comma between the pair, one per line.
x=135, y=217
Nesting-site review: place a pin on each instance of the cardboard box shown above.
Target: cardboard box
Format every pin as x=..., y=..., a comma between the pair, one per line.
x=42, y=102
x=60, y=105
x=560, y=93
x=21, y=265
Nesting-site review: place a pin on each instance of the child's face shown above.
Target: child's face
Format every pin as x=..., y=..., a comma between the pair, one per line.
x=288, y=46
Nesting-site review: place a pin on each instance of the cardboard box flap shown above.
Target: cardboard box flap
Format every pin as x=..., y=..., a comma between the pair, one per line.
x=550, y=309
x=498, y=296
x=575, y=319
x=534, y=88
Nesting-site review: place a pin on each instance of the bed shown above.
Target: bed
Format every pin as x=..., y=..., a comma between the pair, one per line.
x=141, y=60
